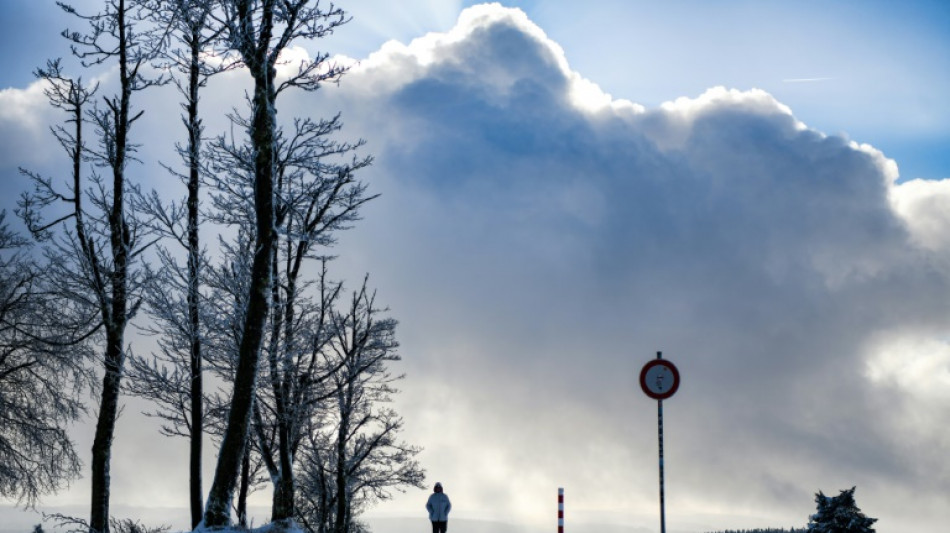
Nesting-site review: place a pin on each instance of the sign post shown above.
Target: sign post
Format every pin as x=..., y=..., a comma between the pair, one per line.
x=560, y=510
x=659, y=380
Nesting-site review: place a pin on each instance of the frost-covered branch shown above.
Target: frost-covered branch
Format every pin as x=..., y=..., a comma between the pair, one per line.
x=39, y=383
x=92, y=250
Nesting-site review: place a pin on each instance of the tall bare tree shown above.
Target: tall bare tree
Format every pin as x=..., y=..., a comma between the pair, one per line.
x=259, y=30
x=316, y=196
x=175, y=381
x=95, y=247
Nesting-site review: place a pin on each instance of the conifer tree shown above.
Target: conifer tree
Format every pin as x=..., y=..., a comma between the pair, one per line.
x=839, y=514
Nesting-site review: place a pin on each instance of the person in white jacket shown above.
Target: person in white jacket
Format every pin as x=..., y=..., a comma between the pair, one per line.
x=439, y=507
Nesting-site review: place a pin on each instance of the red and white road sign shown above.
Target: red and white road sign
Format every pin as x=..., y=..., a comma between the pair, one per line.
x=659, y=379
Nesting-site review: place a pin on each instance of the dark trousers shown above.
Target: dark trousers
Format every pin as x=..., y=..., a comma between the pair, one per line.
x=439, y=527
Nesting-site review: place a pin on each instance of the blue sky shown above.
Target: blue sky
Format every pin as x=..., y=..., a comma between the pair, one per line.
x=875, y=70
x=735, y=202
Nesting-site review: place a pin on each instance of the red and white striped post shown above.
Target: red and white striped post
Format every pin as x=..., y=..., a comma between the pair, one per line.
x=560, y=510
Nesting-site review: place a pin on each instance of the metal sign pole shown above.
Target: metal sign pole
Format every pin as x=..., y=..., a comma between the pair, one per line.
x=659, y=422
x=660, y=379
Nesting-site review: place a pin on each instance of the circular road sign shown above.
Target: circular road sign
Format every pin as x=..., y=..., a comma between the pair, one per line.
x=659, y=379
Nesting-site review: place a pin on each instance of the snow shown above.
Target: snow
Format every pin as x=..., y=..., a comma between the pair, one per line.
x=289, y=526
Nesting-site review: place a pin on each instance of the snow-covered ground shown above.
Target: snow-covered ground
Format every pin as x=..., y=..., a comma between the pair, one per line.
x=19, y=521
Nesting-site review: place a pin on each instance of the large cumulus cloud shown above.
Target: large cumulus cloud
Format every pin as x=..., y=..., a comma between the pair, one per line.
x=540, y=240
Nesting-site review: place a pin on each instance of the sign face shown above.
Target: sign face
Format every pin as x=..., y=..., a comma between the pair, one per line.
x=659, y=379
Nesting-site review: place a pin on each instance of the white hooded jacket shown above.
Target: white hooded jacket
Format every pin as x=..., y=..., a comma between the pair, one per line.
x=439, y=507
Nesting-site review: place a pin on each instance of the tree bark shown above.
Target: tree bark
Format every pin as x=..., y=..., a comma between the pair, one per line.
x=105, y=431
x=245, y=488
x=282, y=506
x=283, y=501
x=194, y=251
x=341, y=475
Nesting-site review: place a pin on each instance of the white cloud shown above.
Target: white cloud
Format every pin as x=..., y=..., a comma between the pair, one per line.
x=561, y=247
x=923, y=207
x=404, y=62
x=539, y=240
x=917, y=364
x=24, y=115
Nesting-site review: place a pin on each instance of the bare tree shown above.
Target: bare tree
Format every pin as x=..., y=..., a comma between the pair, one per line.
x=175, y=381
x=93, y=257
x=316, y=195
x=352, y=456
x=39, y=384
x=259, y=31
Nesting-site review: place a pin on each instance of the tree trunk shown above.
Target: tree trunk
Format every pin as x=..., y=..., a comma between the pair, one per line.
x=114, y=307
x=194, y=251
x=105, y=431
x=282, y=506
x=342, y=500
x=283, y=503
x=217, y=513
x=245, y=488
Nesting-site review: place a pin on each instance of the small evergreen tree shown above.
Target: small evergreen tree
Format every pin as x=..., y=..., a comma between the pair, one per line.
x=766, y=530
x=839, y=514
x=38, y=528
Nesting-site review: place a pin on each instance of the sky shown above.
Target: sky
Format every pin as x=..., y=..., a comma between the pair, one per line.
x=757, y=189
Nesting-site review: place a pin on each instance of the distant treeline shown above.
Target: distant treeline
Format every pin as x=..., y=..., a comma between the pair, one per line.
x=767, y=530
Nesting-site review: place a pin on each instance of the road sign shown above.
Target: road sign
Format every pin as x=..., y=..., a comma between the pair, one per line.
x=659, y=379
